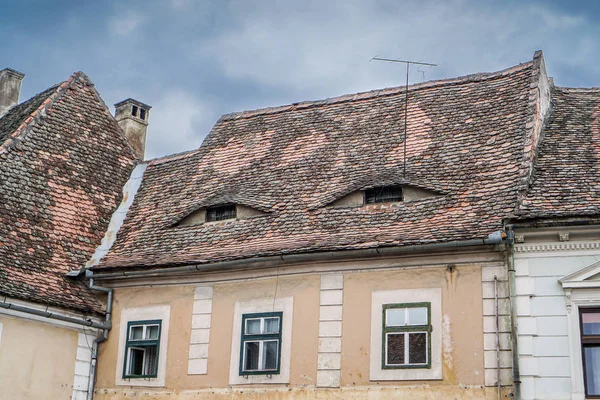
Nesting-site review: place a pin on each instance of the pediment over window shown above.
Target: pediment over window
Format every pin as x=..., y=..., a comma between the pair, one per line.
x=588, y=277
x=385, y=194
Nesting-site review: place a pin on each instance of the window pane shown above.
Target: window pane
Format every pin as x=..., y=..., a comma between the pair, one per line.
x=220, y=213
x=417, y=316
x=271, y=325
x=150, y=364
x=383, y=194
x=270, y=354
x=591, y=323
x=252, y=326
x=395, y=348
x=136, y=333
x=592, y=370
x=136, y=361
x=395, y=317
x=251, y=352
x=417, y=348
x=152, y=332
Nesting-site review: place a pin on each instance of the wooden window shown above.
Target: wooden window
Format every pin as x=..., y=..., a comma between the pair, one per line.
x=406, y=336
x=383, y=194
x=261, y=344
x=590, y=343
x=221, y=212
x=141, y=349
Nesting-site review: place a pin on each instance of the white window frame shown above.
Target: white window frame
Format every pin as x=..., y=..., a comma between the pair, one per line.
x=264, y=305
x=162, y=313
x=581, y=290
x=422, y=295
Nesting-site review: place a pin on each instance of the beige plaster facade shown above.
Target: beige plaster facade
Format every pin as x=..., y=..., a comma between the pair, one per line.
x=37, y=359
x=462, y=330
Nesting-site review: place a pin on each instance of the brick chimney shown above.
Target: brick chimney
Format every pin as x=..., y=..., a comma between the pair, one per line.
x=10, y=88
x=132, y=116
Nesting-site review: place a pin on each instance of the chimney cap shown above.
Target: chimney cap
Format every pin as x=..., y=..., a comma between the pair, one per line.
x=134, y=102
x=14, y=72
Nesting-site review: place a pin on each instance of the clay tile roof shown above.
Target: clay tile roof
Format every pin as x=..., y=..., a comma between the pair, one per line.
x=566, y=177
x=465, y=140
x=63, y=163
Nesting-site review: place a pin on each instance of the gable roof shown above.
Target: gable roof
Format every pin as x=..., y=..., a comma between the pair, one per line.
x=465, y=139
x=14, y=117
x=63, y=163
x=566, y=177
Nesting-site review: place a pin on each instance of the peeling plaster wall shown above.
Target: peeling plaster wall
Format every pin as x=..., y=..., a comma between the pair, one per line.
x=462, y=336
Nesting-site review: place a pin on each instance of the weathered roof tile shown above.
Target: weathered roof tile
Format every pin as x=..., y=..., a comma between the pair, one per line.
x=63, y=163
x=465, y=138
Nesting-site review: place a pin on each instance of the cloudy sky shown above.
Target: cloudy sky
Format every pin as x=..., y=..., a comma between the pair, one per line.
x=195, y=60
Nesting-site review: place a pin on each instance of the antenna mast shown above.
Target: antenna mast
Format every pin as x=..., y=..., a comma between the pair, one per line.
x=408, y=63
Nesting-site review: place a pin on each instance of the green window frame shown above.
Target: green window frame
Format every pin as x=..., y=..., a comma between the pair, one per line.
x=405, y=327
x=259, y=340
x=142, y=348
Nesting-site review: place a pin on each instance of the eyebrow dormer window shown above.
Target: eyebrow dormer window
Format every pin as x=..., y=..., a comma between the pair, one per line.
x=383, y=194
x=221, y=212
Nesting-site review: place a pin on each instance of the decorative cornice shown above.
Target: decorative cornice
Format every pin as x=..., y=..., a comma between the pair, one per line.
x=550, y=247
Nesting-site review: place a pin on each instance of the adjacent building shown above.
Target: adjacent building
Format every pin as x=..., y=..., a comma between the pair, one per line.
x=556, y=254
x=63, y=164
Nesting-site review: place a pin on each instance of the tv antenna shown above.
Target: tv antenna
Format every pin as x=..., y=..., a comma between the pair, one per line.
x=408, y=63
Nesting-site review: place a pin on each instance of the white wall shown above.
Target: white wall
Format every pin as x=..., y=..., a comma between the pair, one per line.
x=542, y=316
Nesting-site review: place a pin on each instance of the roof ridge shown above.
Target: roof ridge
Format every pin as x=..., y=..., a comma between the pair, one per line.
x=83, y=76
x=19, y=134
x=579, y=89
x=171, y=157
x=476, y=77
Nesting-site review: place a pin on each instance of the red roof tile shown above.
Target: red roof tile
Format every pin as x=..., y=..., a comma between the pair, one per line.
x=63, y=163
x=465, y=139
x=566, y=178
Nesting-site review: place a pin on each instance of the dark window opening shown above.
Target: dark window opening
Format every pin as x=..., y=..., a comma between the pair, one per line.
x=383, y=194
x=142, y=113
x=220, y=213
x=590, y=341
x=134, y=111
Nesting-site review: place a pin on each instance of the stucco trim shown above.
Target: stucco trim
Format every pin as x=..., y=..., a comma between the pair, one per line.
x=139, y=314
x=200, y=333
x=83, y=362
x=330, y=330
x=564, y=246
x=284, y=304
x=379, y=298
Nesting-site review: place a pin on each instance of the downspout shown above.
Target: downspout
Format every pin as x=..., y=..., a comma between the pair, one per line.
x=496, y=308
x=510, y=260
x=101, y=338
